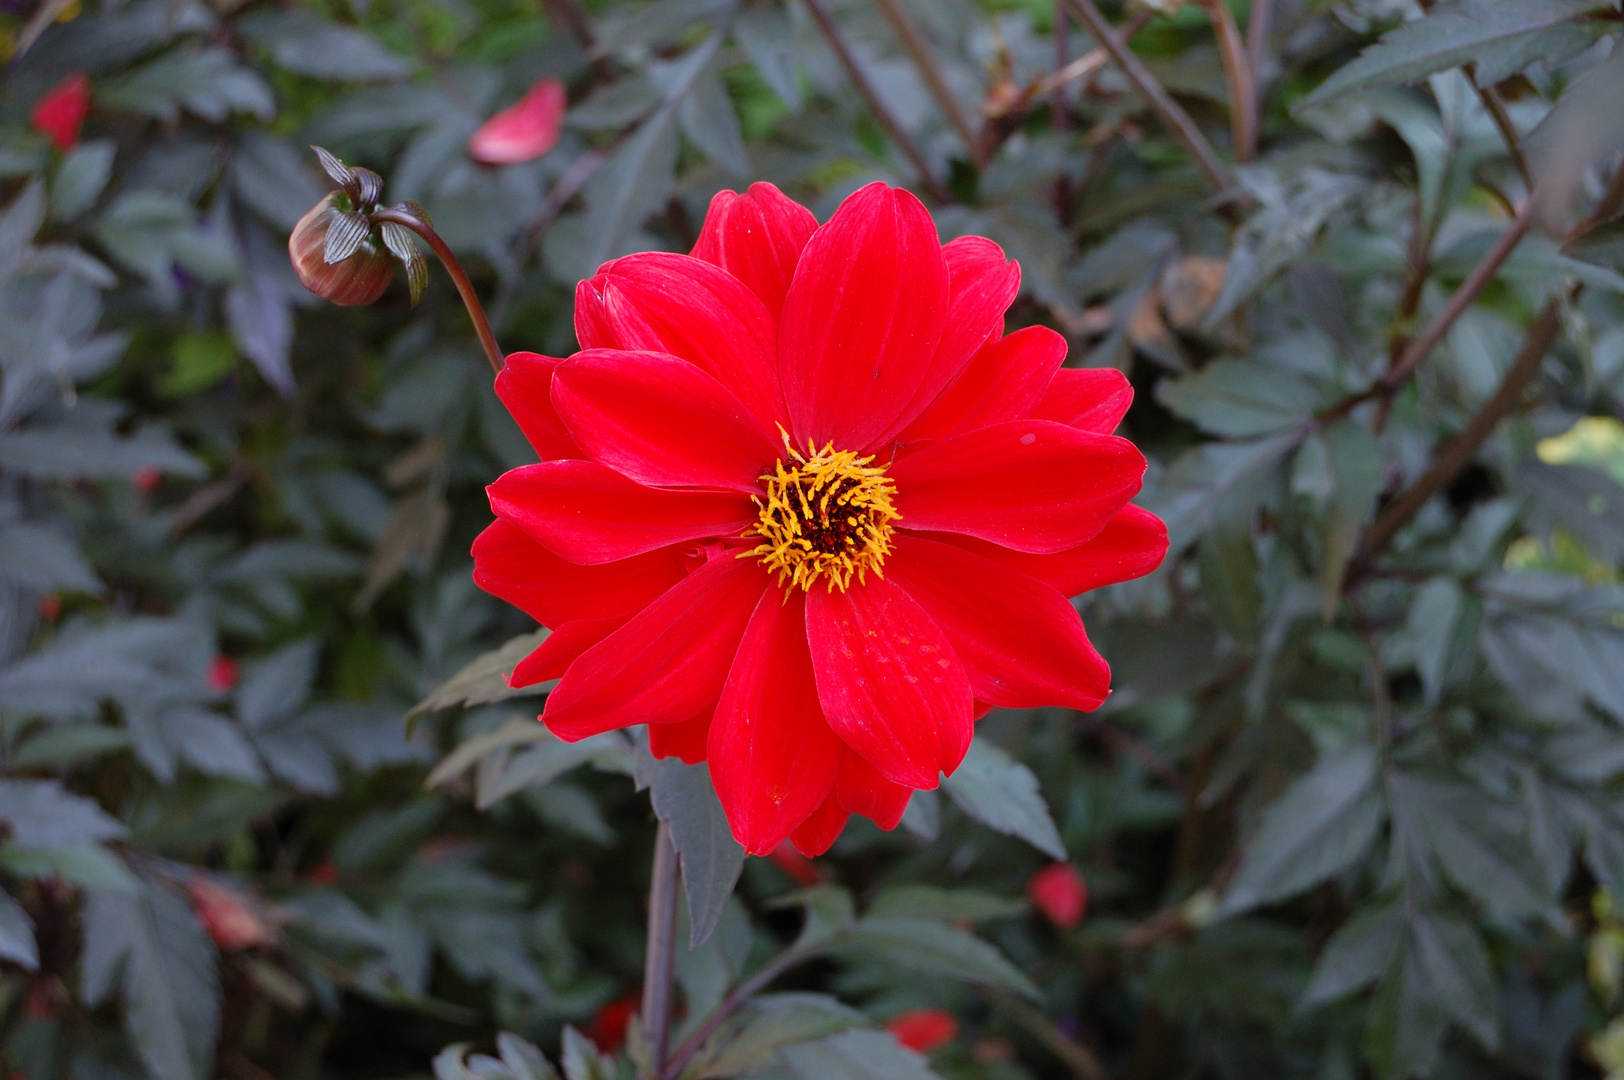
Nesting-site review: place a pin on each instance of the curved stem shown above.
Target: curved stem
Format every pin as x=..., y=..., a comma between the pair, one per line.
x=659, y=960
x=459, y=277
x=731, y=1004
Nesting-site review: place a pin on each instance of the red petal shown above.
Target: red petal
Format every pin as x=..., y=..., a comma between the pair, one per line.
x=512, y=565
x=685, y=739
x=757, y=237
x=1022, y=645
x=1032, y=485
x=889, y=682
x=862, y=319
x=61, y=112
x=668, y=662
x=553, y=657
x=677, y=304
x=772, y=755
x=661, y=421
x=524, y=131
x=525, y=386
x=860, y=789
x=591, y=514
x=983, y=285
x=1005, y=381
x=1092, y=399
x=1131, y=545
x=818, y=833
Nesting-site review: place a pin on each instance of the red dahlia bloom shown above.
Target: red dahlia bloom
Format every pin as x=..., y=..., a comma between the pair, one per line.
x=61, y=112
x=924, y=1030
x=805, y=511
x=524, y=131
x=1059, y=891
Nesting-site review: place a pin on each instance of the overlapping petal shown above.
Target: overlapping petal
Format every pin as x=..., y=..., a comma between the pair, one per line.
x=1004, y=381
x=590, y=514
x=685, y=740
x=773, y=758
x=1131, y=545
x=1022, y=645
x=659, y=302
x=1031, y=485
x=525, y=386
x=665, y=665
x=757, y=237
x=511, y=564
x=891, y=686
x=552, y=657
x=862, y=320
x=860, y=789
x=818, y=833
x=661, y=421
x=1092, y=399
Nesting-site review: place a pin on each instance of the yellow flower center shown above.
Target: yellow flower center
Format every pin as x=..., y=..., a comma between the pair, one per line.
x=828, y=515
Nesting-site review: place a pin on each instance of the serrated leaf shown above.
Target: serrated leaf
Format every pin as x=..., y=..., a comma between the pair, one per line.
x=1238, y=398
x=581, y=1059
x=40, y=814
x=523, y=1059
x=1449, y=36
x=1002, y=794
x=934, y=948
x=768, y=39
x=1433, y=616
x=535, y=765
x=17, y=942
x=830, y=911
x=516, y=731
x=81, y=178
x=301, y=42
x=856, y=1055
x=1451, y=957
x=206, y=82
x=274, y=687
x=711, y=123
x=1357, y=955
x=484, y=680
x=768, y=1024
x=90, y=866
x=164, y=965
x=1322, y=823
x=711, y=858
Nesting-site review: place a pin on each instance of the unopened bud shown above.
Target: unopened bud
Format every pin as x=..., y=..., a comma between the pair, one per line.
x=335, y=256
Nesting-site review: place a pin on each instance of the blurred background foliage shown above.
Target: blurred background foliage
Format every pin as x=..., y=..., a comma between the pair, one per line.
x=1354, y=808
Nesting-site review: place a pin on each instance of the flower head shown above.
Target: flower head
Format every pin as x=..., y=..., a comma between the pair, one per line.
x=1059, y=891
x=924, y=1030
x=805, y=510
x=341, y=254
x=61, y=112
x=521, y=132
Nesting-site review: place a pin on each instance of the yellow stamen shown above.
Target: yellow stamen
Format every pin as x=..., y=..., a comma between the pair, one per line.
x=824, y=516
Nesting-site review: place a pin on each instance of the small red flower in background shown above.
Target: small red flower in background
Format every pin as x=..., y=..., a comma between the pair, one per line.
x=227, y=916
x=797, y=866
x=223, y=674
x=323, y=873
x=924, y=1029
x=61, y=112
x=1060, y=892
x=608, y=1029
x=805, y=510
x=145, y=479
x=50, y=606
x=524, y=131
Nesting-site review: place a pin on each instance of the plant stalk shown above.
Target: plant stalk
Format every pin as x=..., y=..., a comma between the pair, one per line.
x=465, y=288
x=659, y=960
x=731, y=1004
x=914, y=41
x=1242, y=79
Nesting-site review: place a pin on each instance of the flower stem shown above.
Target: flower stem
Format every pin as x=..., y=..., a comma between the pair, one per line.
x=660, y=958
x=732, y=1004
x=401, y=216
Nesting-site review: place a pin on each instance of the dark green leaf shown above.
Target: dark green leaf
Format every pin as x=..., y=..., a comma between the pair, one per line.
x=934, y=948
x=1002, y=794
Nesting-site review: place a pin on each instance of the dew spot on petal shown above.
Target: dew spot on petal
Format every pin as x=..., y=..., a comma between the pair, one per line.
x=1028, y=439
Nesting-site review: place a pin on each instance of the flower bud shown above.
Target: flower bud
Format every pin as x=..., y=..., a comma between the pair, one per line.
x=1060, y=892
x=360, y=268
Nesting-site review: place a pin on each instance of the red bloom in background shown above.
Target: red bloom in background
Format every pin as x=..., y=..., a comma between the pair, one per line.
x=805, y=511
x=61, y=112
x=609, y=1026
x=223, y=673
x=923, y=1029
x=1060, y=892
x=227, y=916
x=524, y=131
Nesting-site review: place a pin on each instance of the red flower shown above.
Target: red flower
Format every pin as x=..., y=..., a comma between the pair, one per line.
x=228, y=918
x=609, y=1026
x=223, y=674
x=50, y=606
x=524, y=131
x=145, y=479
x=1060, y=892
x=61, y=112
x=805, y=511
x=924, y=1029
